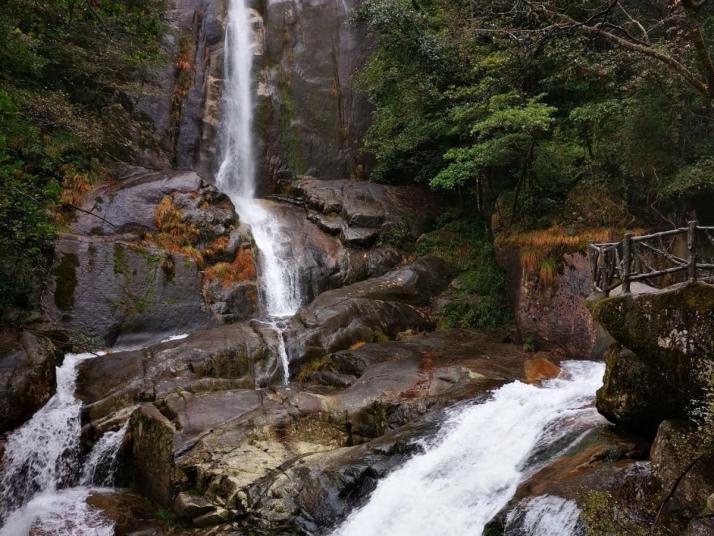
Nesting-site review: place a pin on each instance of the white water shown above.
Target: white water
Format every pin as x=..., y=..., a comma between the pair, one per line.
x=236, y=177
x=101, y=465
x=41, y=463
x=42, y=455
x=474, y=467
x=63, y=513
x=545, y=515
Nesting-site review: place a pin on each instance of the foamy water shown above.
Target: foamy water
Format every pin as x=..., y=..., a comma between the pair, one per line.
x=474, y=467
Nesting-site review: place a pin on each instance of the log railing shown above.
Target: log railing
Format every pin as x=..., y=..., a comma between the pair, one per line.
x=658, y=259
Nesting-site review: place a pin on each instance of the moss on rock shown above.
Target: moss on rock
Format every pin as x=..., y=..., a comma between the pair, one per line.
x=65, y=273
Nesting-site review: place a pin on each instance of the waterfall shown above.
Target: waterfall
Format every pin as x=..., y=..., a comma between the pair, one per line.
x=280, y=280
x=101, y=465
x=545, y=515
x=41, y=463
x=481, y=455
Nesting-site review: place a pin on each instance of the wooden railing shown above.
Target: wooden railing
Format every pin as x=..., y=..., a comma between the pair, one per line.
x=659, y=259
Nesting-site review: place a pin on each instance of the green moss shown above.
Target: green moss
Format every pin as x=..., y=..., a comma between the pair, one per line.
x=289, y=135
x=603, y=515
x=478, y=295
x=120, y=265
x=398, y=235
x=312, y=365
x=65, y=273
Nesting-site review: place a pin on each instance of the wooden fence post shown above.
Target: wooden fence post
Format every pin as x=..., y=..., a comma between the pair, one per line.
x=692, y=249
x=626, y=254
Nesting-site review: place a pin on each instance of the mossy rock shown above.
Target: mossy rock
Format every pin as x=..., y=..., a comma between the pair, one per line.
x=665, y=339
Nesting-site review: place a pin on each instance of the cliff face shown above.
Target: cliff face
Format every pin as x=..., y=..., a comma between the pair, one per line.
x=554, y=313
x=309, y=118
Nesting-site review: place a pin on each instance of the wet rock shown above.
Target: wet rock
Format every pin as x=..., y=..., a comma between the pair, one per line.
x=152, y=454
x=631, y=394
x=232, y=301
x=296, y=459
x=130, y=513
x=27, y=376
x=112, y=288
x=367, y=311
x=129, y=207
x=145, y=256
x=362, y=212
x=191, y=506
x=223, y=358
x=311, y=119
x=540, y=367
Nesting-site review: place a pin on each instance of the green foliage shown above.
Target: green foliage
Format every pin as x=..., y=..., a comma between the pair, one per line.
x=484, y=99
x=477, y=299
x=62, y=63
x=691, y=181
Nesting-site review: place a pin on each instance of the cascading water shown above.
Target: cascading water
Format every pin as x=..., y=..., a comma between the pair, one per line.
x=545, y=515
x=237, y=174
x=483, y=452
x=280, y=278
x=41, y=463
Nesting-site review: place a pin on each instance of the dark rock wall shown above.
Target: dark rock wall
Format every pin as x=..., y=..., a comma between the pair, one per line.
x=309, y=118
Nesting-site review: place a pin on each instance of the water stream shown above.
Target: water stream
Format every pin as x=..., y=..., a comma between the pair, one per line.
x=472, y=470
x=42, y=483
x=280, y=285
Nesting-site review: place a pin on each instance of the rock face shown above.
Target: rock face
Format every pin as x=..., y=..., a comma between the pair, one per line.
x=27, y=377
x=309, y=117
x=144, y=257
x=371, y=310
x=554, y=315
x=666, y=345
x=362, y=213
x=683, y=467
x=167, y=118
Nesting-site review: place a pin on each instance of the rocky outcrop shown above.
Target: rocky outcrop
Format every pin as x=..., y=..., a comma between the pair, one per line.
x=361, y=213
x=27, y=376
x=374, y=309
x=232, y=356
x=665, y=345
x=553, y=314
x=152, y=253
x=295, y=459
x=309, y=117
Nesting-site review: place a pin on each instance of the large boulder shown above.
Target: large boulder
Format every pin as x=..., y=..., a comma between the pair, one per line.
x=378, y=308
x=108, y=287
x=149, y=254
x=27, y=376
x=666, y=348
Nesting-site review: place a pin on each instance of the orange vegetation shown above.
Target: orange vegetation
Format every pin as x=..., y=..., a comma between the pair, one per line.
x=74, y=187
x=540, y=248
x=241, y=269
x=174, y=234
